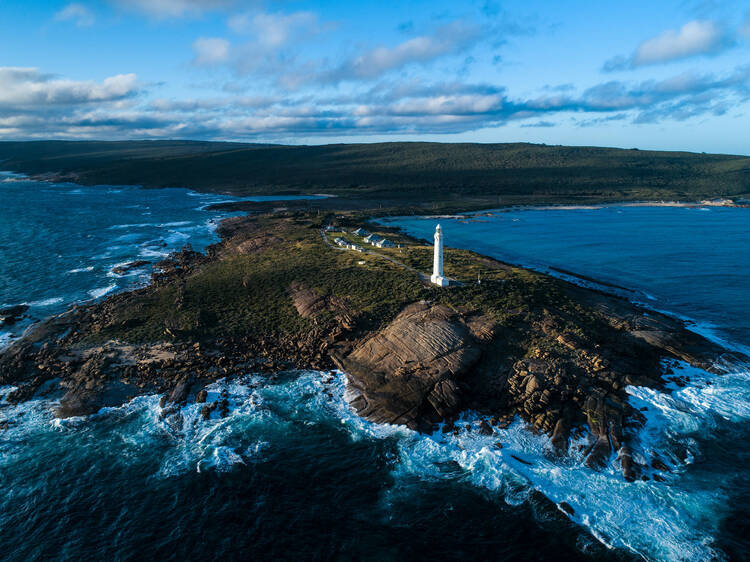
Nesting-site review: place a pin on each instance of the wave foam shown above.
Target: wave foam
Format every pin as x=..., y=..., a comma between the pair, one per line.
x=101, y=291
x=46, y=302
x=672, y=520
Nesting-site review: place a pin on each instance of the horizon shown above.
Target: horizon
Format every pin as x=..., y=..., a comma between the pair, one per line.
x=292, y=145
x=672, y=77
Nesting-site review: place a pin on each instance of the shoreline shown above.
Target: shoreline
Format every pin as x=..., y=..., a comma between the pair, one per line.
x=337, y=336
x=181, y=379
x=247, y=204
x=722, y=203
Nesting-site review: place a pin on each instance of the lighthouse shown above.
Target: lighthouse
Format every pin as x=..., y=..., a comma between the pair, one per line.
x=437, y=267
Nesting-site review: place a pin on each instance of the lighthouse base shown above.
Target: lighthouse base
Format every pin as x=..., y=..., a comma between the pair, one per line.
x=439, y=280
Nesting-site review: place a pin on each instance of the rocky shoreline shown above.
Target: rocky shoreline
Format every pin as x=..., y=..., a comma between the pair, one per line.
x=272, y=296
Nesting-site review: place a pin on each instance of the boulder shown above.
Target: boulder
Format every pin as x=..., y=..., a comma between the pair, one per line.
x=179, y=393
x=485, y=428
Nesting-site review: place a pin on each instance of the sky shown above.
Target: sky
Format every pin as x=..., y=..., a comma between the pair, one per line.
x=668, y=75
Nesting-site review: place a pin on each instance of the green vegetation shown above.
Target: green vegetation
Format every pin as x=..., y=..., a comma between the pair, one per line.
x=248, y=294
x=394, y=175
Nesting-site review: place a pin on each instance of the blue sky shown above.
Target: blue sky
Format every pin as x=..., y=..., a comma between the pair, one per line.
x=666, y=75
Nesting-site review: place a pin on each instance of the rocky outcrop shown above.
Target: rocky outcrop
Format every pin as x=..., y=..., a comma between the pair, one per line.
x=411, y=372
x=12, y=314
x=123, y=269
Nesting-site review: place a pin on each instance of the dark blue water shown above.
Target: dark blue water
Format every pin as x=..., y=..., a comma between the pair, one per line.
x=292, y=473
x=691, y=261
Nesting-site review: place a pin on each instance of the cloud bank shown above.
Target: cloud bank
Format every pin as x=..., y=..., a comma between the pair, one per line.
x=35, y=105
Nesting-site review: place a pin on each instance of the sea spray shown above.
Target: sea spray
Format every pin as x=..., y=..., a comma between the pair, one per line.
x=671, y=520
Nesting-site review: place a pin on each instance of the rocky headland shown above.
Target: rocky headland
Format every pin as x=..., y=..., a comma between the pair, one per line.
x=273, y=295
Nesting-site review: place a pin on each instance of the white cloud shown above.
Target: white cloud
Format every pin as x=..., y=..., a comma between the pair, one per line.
x=448, y=39
x=210, y=50
x=78, y=13
x=274, y=40
x=164, y=9
x=693, y=38
x=29, y=87
x=698, y=37
x=273, y=30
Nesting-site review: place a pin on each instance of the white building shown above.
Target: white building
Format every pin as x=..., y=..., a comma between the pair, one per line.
x=437, y=264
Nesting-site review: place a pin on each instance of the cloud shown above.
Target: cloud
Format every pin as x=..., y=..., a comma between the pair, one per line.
x=271, y=49
x=29, y=87
x=540, y=124
x=698, y=37
x=165, y=9
x=273, y=30
x=679, y=97
x=371, y=64
x=275, y=54
x=78, y=13
x=448, y=39
x=210, y=51
x=37, y=105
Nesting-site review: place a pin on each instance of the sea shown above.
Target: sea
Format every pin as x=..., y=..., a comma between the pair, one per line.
x=293, y=474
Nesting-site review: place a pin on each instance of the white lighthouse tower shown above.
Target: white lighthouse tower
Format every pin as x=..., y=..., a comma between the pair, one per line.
x=437, y=267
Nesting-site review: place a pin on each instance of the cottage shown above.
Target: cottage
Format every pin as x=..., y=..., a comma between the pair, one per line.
x=361, y=232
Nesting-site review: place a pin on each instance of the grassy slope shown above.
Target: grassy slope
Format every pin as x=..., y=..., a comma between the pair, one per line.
x=247, y=294
x=397, y=173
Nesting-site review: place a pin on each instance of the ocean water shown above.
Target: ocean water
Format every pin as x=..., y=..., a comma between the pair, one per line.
x=693, y=261
x=59, y=242
x=293, y=474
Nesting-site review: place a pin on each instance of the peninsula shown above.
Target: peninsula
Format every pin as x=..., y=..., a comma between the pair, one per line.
x=279, y=293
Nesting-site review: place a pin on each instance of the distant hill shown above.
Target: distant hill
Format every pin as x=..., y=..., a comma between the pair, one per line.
x=401, y=173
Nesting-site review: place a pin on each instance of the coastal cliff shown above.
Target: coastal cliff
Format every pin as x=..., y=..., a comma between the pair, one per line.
x=274, y=295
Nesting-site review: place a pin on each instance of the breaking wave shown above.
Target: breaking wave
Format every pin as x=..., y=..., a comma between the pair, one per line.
x=101, y=291
x=672, y=520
